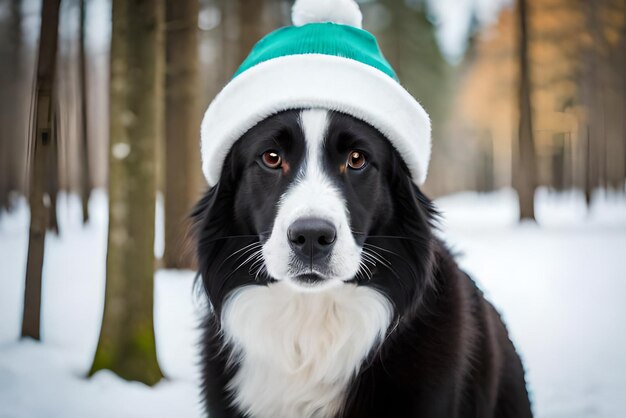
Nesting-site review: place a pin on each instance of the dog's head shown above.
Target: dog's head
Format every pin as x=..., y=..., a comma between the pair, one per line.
x=316, y=199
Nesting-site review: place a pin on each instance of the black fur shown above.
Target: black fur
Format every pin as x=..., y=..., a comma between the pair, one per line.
x=448, y=353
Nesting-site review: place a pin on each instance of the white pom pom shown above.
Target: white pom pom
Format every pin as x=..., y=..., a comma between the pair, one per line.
x=345, y=12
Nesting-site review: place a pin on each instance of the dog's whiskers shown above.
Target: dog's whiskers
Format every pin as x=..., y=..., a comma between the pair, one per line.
x=256, y=264
x=367, y=259
x=360, y=274
x=372, y=256
x=377, y=257
x=381, y=249
x=364, y=271
x=242, y=253
x=249, y=246
x=251, y=257
x=394, y=254
x=261, y=270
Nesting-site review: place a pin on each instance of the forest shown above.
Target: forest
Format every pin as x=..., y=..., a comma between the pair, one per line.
x=107, y=96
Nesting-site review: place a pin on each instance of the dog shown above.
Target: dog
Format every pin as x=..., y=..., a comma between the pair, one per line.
x=331, y=295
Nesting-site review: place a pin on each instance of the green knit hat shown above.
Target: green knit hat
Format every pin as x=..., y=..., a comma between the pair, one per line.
x=324, y=61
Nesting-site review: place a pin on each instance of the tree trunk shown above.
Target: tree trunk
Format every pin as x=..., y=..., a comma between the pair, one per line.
x=12, y=115
x=244, y=23
x=588, y=186
x=614, y=97
x=52, y=164
x=127, y=343
x=182, y=120
x=525, y=166
x=622, y=50
x=85, y=179
x=42, y=151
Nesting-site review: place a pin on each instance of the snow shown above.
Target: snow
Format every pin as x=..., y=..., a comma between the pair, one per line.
x=48, y=380
x=559, y=284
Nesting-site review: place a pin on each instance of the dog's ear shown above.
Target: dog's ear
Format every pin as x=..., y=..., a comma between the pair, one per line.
x=411, y=204
x=216, y=237
x=213, y=214
x=215, y=206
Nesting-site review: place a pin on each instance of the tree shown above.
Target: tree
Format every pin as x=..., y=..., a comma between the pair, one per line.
x=244, y=23
x=577, y=92
x=603, y=94
x=127, y=343
x=407, y=39
x=524, y=173
x=13, y=126
x=85, y=179
x=182, y=120
x=43, y=152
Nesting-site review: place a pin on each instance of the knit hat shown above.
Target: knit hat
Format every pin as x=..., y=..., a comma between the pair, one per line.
x=324, y=61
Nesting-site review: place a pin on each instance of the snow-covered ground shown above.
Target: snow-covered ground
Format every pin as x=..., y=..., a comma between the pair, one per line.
x=560, y=285
x=561, y=288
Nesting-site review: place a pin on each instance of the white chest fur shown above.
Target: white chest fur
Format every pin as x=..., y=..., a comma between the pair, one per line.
x=298, y=351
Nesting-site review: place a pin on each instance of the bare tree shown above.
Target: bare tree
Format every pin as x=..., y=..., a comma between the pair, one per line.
x=244, y=23
x=524, y=164
x=182, y=119
x=12, y=115
x=85, y=179
x=43, y=152
x=127, y=343
x=602, y=85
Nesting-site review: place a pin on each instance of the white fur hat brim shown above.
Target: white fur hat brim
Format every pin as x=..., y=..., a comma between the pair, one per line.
x=315, y=81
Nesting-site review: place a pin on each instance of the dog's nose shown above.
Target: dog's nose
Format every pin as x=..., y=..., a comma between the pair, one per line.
x=311, y=238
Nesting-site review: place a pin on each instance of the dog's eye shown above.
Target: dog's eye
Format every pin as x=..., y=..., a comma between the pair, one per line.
x=356, y=160
x=271, y=159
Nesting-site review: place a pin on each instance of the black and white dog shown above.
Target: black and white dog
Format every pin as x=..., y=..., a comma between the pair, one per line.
x=330, y=293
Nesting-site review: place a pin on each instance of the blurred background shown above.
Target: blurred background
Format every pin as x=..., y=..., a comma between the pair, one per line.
x=100, y=107
x=459, y=58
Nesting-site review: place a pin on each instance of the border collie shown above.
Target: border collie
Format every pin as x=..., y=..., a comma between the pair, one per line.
x=331, y=295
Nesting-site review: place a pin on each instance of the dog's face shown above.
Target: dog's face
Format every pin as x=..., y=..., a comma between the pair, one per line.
x=316, y=199
x=311, y=182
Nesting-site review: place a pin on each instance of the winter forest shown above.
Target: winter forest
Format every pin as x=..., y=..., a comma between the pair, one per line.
x=100, y=110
